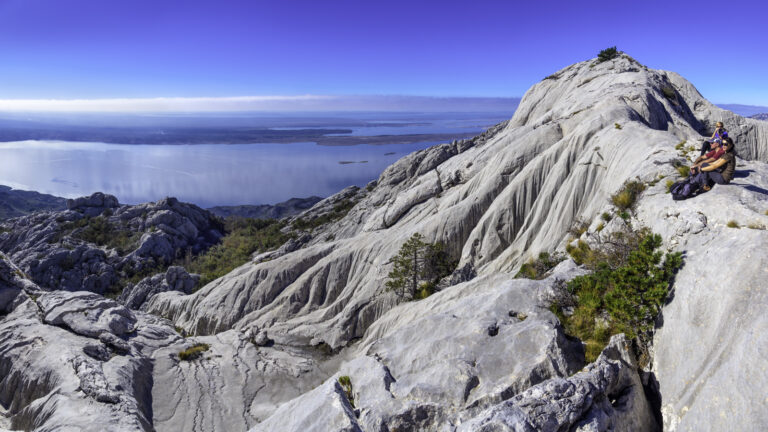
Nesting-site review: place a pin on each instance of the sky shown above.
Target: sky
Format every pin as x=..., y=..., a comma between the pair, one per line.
x=301, y=50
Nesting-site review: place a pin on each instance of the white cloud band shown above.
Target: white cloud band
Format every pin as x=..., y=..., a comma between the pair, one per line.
x=261, y=103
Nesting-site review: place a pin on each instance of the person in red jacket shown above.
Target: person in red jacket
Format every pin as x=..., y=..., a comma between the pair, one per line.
x=714, y=154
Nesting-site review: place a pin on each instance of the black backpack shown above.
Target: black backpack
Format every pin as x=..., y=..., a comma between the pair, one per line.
x=683, y=189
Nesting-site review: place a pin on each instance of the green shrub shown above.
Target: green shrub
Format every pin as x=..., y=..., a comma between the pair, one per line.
x=607, y=54
x=101, y=232
x=581, y=253
x=756, y=226
x=617, y=126
x=625, y=198
x=193, y=352
x=733, y=224
x=606, y=216
x=346, y=384
x=600, y=226
x=684, y=171
x=622, y=295
x=538, y=268
x=681, y=145
x=244, y=236
x=669, y=185
x=418, y=267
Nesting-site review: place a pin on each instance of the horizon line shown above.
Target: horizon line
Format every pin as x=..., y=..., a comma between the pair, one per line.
x=306, y=102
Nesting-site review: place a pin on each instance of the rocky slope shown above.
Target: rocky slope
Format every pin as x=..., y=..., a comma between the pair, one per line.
x=484, y=353
x=762, y=116
x=288, y=208
x=97, y=242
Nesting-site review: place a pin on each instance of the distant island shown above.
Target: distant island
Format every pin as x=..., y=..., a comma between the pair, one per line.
x=761, y=116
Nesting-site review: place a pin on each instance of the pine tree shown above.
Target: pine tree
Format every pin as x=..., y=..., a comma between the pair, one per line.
x=418, y=267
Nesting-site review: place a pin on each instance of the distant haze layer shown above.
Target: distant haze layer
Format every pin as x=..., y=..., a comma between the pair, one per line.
x=300, y=103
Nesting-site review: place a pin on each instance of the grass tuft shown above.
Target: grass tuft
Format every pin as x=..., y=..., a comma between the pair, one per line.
x=733, y=224
x=538, y=268
x=626, y=198
x=193, y=352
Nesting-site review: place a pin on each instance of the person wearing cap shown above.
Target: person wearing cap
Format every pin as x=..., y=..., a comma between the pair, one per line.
x=720, y=171
x=717, y=137
x=713, y=155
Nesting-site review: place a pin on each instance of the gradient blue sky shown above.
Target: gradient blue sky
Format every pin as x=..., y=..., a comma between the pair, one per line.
x=139, y=48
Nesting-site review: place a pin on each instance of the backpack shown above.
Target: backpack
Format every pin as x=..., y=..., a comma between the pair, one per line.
x=683, y=189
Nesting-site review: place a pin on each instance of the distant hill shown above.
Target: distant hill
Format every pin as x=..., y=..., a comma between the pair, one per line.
x=744, y=110
x=14, y=203
x=291, y=207
x=761, y=116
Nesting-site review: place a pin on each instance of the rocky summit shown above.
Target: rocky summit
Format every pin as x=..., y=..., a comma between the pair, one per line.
x=308, y=338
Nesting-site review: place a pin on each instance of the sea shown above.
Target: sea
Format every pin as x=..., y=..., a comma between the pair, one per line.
x=230, y=174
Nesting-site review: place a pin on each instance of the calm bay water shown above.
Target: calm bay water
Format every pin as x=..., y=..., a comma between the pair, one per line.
x=206, y=175
x=226, y=174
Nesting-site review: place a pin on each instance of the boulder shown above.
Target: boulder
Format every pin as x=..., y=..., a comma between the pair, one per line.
x=176, y=278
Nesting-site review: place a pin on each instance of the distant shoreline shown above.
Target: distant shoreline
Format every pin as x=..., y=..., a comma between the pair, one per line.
x=321, y=140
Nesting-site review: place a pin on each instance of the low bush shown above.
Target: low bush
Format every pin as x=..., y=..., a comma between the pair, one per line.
x=623, y=294
x=733, y=224
x=193, y=352
x=625, y=198
x=607, y=54
x=346, y=384
x=606, y=216
x=617, y=126
x=244, y=236
x=669, y=185
x=681, y=145
x=101, y=232
x=669, y=92
x=538, y=268
x=684, y=171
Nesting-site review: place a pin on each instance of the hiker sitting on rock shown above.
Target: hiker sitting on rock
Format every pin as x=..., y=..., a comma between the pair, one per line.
x=719, y=171
x=717, y=137
x=715, y=154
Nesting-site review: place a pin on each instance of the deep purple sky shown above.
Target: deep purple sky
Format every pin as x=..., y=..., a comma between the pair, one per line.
x=141, y=48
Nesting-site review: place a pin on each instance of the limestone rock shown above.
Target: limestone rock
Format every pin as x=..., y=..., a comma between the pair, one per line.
x=608, y=395
x=176, y=278
x=86, y=313
x=53, y=248
x=93, y=205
